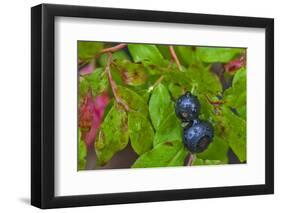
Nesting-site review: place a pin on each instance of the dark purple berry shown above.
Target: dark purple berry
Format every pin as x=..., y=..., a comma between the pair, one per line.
x=198, y=137
x=187, y=107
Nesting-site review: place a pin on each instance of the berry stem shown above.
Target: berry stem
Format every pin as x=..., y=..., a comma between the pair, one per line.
x=113, y=84
x=191, y=158
x=174, y=57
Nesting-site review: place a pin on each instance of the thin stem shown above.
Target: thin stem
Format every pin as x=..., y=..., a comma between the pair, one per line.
x=113, y=84
x=113, y=49
x=174, y=57
x=158, y=81
x=190, y=159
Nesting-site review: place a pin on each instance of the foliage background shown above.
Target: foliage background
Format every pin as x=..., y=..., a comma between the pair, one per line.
x=126, y=104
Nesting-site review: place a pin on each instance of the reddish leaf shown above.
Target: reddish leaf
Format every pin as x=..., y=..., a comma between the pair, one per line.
x=235, y=64
x=89, y=68
x=91, y=115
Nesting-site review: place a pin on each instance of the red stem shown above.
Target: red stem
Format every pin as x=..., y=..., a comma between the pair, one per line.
x=174, y=57
x=113, y=49
x=113, y=84
x=190, y=159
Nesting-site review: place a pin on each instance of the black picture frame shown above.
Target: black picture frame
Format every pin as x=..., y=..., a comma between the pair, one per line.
x=43, y=105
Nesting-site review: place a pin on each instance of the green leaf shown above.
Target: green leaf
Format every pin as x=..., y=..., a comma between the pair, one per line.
x=82, y=152
x=87, y=50
x=141, y=132
x=97, y=81
x=170, y=130
x=116, y=56
x=131, y=73
x=217, y=150
x=142, y=52
x=164, y=49
x=182, y=78
x=207, y=110
x=155, y=69
x=84, y=87
x=201, y=162
x=204, y=81
x=176, y=90
x=133, y=100
x=239, y=80
x=185, y=54
x=218, y=54
x=232, y=128
x=113, y=135
x=170, y=153
x=242, y=111
x=236, y=96
x=159, y=105
x=179, y=158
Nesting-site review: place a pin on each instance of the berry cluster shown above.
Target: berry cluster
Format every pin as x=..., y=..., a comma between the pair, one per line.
x=198, y=134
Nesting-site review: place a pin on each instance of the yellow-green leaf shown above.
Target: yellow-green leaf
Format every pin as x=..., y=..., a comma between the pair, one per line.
x=170, y=153
x=141, y=132
x=160, y=105
x=141, y=52
x=218, y=54
x=113, y=135
x=82, y=152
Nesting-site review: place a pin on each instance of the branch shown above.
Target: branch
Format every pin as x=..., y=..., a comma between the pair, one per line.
x=190, y=159
x=113, y=49
x=113, y=84
x=174, y=57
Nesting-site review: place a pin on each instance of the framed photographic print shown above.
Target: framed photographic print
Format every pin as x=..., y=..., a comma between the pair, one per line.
x=139, y=106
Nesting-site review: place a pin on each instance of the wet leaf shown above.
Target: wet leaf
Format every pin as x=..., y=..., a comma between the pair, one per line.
x=204, y=81
x=87, y=69
x=82, y=153
x=133, y=100
x=186, y=54
x=148, y=52
x=116, y=56
x=131, y=73
x=176, y=90
x=170, y=130
x=207, y=111
x=160, y=105
x=217, y=150
x=217, y=54
x=182, y=78
x=113, y=135
x=232, y=129
x=164, y=49
x=84, y=88
x=141, y=132
x=236, y=96
x=97, y=81
x=201, y=162
x=91, y=114
x=87, y=50
x=170, y=153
